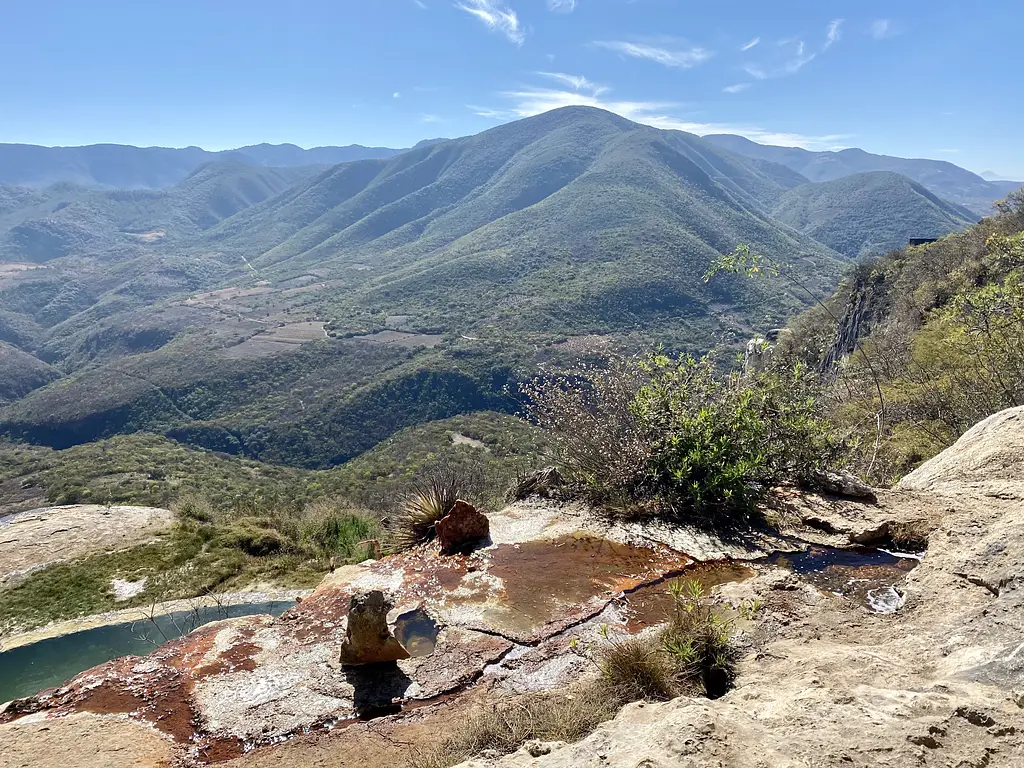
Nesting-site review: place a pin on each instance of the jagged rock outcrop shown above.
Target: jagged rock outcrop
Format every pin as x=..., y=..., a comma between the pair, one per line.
x=368, y=639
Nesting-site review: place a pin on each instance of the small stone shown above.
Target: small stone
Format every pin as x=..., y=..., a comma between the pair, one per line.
x=537, y=748
x=461, y=528
x=368, y=640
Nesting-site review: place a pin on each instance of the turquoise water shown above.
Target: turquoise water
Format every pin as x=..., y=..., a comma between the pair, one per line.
x=49, y=663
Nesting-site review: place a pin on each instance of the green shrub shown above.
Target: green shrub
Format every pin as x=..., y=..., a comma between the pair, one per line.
x=675, y=437
x=335, y=529
x=698, y=641
x=252, y=538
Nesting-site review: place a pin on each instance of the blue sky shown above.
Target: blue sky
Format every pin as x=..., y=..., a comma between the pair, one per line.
x=905, y=77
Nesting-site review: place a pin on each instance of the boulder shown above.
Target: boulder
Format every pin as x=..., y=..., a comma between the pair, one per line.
x=461, y=528
x=368, y=640
x=986, y=460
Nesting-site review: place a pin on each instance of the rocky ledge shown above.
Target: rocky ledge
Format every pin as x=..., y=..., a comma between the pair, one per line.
x=826, y=681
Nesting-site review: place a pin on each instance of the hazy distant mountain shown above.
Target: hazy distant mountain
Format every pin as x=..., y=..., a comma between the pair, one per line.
x=944, y=179
x=120, y=166
x=284, y=155
x=38, y=225
x=993, y=176
x=869, y=212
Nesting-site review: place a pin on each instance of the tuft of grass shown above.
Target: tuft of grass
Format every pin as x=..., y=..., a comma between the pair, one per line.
x=638, y=669
x=911, y=535
x=540, y=482
x=698, y=640
x=504, y=727
x=335, y=529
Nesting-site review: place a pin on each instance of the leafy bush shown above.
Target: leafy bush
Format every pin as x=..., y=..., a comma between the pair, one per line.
x=675, y=437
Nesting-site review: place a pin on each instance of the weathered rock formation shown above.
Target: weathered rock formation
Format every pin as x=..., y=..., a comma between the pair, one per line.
x=938, y=684
x=461, y=528
x=368, y=640
x=826, y=683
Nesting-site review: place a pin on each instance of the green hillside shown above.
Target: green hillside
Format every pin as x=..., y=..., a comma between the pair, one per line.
x=936, y=328
x=869, y=213
x=948, y=181
x=20, y=373
x=440, y=278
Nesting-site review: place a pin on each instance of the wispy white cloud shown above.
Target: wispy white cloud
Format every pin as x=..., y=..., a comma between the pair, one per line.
x=751, y=44
x=793, y=55
x=562, y=6
x=833, y=32
x=756, y=72
x=396, y=95
x=576, y=82
x=737, y=88
x=492, y=114
x=425, y=118
x=881, y=29
x=497, y=17
x=801, y=58
x=526, y=102
x=420, y=4
x=669, y=57
x=948, y=151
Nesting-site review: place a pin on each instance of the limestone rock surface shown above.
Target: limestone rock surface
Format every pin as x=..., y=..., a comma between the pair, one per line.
x=368, y=640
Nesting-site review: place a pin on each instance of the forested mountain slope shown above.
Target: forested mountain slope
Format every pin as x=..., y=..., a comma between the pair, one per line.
x=869, y=213
x=528, y=243
x=944, y=179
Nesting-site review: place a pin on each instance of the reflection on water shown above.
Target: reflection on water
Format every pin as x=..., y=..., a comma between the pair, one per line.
x=865, y=575
x=417, y=632
x=49, y=663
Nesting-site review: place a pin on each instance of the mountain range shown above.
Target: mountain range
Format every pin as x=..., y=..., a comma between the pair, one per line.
x=302, y=314
x=125, y=167
x=944, y=179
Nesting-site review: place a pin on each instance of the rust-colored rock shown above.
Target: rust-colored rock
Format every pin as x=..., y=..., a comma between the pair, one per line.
x=461, y=528
x=368, y=640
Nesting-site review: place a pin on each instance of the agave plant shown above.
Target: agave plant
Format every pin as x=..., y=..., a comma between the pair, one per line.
x=434, y=499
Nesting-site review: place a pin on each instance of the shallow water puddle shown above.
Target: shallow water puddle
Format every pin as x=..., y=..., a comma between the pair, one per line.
x=417, y=632
x=543, y=579
x=865, y=575
x=52, y=662
x=650, y=604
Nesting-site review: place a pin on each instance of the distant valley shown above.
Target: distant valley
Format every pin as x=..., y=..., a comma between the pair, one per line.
x=301, y=306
